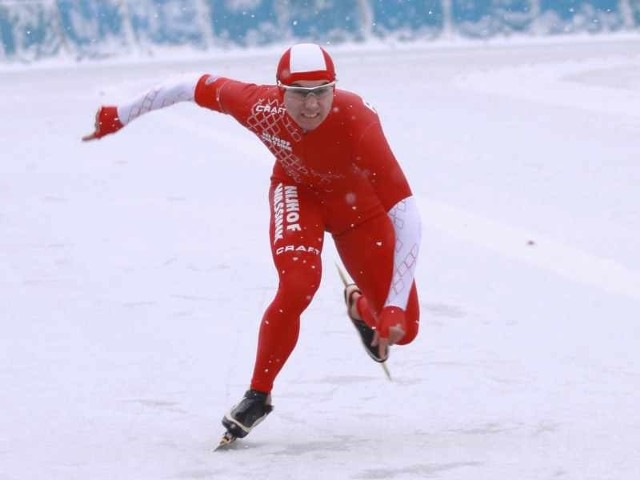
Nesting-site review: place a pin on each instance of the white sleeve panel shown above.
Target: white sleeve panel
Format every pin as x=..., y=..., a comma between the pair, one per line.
x=164, y=95
x=406, y=222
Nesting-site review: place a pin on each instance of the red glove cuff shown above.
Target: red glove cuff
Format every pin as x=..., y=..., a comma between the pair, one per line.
x=107, y=121
x=390, y=317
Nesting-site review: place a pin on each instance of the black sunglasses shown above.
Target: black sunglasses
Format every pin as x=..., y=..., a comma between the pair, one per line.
x=304, y=92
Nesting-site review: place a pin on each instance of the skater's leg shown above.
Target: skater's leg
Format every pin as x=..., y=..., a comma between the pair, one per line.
x=296, y=234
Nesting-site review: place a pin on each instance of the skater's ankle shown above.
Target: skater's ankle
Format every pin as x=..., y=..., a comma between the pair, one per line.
x=353, y=295
x=353, y=304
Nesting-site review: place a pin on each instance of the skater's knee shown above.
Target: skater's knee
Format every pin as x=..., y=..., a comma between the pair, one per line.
x=298, y=287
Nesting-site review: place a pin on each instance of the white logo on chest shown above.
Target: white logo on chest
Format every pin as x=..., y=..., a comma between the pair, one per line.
x=275, y=141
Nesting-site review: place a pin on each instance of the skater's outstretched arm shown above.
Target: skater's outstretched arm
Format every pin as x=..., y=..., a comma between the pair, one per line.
x=111, y=118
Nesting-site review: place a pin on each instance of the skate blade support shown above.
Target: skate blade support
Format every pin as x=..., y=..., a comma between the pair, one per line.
x=346, y=281
x=227, y=439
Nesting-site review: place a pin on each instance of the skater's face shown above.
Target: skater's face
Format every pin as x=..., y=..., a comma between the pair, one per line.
x=309, y=102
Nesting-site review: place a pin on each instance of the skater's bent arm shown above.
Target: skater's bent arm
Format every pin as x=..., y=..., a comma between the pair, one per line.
x=393, y=189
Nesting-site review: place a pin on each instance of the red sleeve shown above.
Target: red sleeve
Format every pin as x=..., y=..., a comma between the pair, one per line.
x=223, y=94
x=383, y=170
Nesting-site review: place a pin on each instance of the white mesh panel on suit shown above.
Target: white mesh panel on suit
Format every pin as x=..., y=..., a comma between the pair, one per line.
x=161, y=96
x=406, y=222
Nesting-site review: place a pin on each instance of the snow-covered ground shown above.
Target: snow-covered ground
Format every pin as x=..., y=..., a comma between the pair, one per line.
x=134, y=272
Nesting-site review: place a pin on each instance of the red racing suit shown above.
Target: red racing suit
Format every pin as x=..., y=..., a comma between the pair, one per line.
x=341, y=178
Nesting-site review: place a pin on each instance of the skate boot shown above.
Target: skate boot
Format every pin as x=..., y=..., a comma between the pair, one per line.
x=251, y=410
x=365, y=331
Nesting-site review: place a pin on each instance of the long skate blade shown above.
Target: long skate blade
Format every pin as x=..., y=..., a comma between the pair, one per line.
x=346, y=281
x=343, y=275
x=227, y=439
x=386, y=371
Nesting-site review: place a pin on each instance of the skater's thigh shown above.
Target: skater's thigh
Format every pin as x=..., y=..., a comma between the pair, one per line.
x=296, y=229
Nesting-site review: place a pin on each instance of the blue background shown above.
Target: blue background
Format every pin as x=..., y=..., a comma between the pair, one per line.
x=103, y=28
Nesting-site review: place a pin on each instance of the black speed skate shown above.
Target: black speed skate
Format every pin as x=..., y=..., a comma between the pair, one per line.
x=243, y=417
x=365, y=331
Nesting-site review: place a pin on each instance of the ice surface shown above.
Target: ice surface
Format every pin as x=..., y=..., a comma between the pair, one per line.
x=134, y=272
